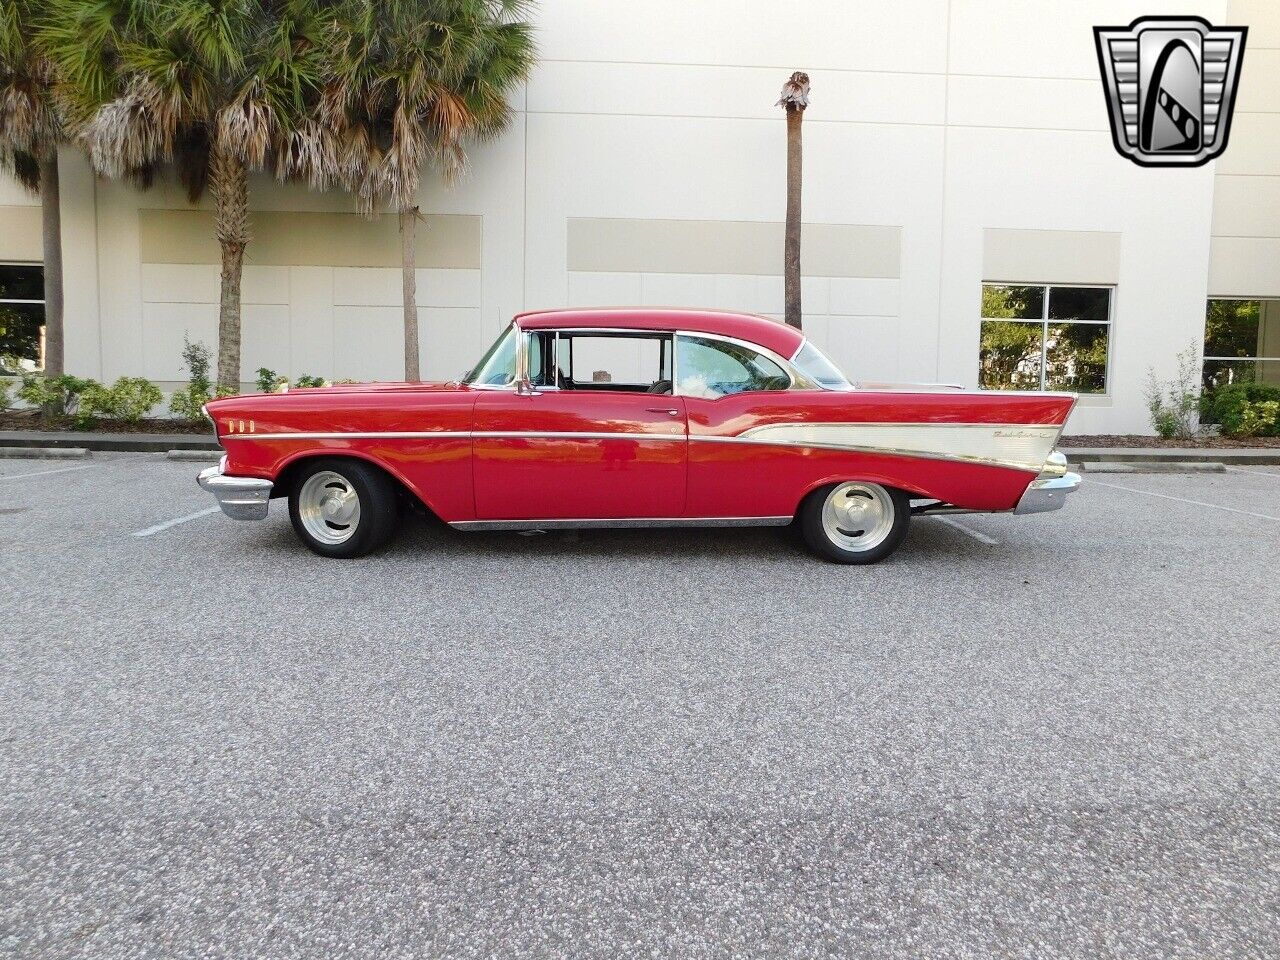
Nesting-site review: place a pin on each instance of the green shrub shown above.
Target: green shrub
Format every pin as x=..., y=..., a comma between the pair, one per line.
x=269, y=381
x=1173, y=404
x=305, y=380
x=1260, y=419
x=56, y=396
x=188, y=403
x=5, y=401
x=129, y=399
x=1230, y=406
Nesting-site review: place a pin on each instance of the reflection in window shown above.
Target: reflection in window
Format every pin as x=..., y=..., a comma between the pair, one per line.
x=1044, y=338
x=714, y=368
x=1241, y=342
x=21, y=317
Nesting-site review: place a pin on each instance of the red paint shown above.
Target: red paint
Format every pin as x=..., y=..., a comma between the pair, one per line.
x=650, y=469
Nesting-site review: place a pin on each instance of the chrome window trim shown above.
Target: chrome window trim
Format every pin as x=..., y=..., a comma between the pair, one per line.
x=793, y=375
x=804, y=341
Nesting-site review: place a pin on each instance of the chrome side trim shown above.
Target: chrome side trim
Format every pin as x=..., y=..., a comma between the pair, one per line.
x=1025, y=467
x=1009, y=446
x=357, y=435
x=241, y=498
x=621, y=524
x=1023, y=445
x=574, y=435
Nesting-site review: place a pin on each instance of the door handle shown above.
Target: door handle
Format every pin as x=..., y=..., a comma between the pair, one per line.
x=669, y=411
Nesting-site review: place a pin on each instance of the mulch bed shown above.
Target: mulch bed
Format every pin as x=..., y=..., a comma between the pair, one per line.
x=1196, y=443
x=30, y=420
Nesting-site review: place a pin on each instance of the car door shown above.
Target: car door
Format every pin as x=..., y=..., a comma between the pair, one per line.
x=729, y=387
x=586, y=439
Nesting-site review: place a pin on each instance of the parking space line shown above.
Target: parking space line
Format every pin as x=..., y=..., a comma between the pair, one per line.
x=173, y=523
x=968, y=531
x=1198, y=503
x=44, y=473
x=1253, y=473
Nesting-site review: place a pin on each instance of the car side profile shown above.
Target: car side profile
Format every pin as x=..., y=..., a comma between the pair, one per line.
x=640, y=418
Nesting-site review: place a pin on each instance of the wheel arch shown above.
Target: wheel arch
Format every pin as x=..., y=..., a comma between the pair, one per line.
x=287, y=475
x=865, y=476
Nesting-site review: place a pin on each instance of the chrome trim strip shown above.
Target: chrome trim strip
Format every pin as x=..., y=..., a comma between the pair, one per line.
x=620, y=524
x=1024, y=466
x=573, y=435
x=356, y=435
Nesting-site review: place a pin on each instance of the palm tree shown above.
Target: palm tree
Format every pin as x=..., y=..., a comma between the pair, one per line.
x=795, y=97
x=218, y=87
x=412, y=81
x=30, y=131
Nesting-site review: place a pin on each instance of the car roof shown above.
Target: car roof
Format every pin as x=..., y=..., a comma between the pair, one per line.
x=771, y=334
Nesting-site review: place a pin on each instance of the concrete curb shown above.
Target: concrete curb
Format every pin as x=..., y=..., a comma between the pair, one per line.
x=1227, y=455
x=126, y=442
x=198, y=456
x=43, y=453
x=1152, y=466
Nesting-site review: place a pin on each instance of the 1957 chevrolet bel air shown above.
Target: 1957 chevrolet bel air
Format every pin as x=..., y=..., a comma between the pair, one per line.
x=640, y=417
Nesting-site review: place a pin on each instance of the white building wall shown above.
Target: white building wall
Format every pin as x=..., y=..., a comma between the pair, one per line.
x=941, y=119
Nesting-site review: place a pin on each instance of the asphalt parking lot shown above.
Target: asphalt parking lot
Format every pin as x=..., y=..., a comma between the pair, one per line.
x=1034, y=736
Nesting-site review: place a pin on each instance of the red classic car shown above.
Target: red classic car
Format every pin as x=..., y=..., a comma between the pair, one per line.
x=634, y=418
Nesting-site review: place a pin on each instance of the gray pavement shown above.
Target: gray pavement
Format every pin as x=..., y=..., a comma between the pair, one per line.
x=1064, y=743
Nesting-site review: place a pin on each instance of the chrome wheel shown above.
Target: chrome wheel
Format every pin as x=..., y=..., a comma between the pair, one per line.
x=858, y=516
x=329, y=507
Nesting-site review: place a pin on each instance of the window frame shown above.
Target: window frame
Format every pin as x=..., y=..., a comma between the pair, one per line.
x=797, y=380
x=1204, y=357
x=784, y=365
x=1044, y=323
x=619, y=333
x=39, y=264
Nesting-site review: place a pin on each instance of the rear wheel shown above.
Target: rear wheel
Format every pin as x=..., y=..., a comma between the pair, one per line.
x=855, y=522
x=342, y=508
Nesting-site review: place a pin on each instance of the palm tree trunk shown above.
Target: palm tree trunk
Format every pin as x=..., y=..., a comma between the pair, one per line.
x=229, y=181
x=409, y=289
x=51, y=228
x=791, y=245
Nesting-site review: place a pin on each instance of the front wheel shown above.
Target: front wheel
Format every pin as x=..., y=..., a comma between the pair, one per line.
x=342, y=508
x=855, y=522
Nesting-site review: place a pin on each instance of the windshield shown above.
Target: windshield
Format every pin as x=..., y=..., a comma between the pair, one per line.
x=813, y=363
x=498, y=366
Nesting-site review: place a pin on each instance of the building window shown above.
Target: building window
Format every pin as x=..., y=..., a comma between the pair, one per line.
x=1044, y=338
x=21, y=317
x=1241, y=342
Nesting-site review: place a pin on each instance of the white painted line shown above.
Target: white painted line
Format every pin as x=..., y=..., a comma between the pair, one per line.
x=969, y=531
x=1255, y=473
x=44, y=473
x=173, y=523
x=1198, y=503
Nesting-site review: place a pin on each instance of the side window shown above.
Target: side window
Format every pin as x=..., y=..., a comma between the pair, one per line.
x=629, y=363
x=713, y=368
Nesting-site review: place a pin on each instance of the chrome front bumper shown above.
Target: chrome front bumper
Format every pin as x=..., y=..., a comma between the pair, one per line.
x=241, y=498
x=1049, y=490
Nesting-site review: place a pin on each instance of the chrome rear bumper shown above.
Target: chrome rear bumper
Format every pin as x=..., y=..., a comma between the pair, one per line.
x=1049, y=490
x=241, y=498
